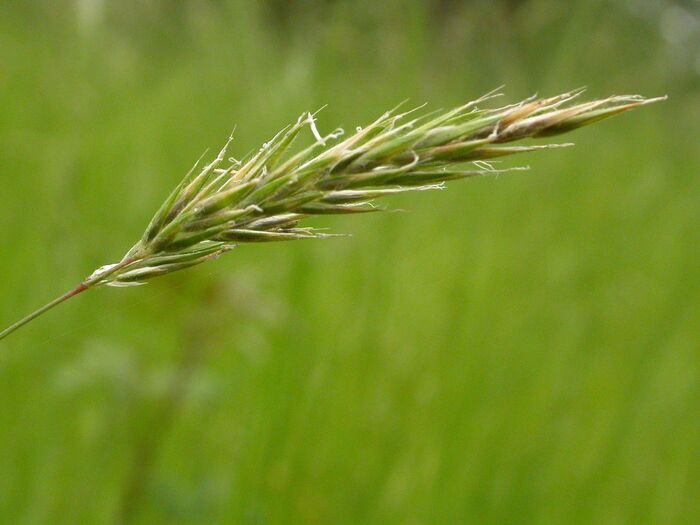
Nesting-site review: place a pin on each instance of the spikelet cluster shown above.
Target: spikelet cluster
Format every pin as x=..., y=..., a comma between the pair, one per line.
x=267, y=196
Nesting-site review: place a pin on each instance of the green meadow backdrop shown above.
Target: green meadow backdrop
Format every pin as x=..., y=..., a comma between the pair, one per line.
x=521, y=349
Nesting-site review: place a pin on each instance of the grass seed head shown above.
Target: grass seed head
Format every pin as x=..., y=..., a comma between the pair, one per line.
x=265, y=197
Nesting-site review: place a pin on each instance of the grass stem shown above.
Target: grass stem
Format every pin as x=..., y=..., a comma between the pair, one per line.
x=85, y=285
x=75, y=291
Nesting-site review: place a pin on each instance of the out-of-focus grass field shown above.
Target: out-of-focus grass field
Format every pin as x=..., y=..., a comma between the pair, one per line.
x=521, y=349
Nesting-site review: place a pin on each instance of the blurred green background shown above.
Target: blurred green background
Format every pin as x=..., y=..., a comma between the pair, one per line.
x=520, y=349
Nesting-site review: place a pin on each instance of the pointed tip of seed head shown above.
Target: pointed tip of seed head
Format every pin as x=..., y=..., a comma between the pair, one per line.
x=574, y=93
x=397, y=106
x=653, y=100
x=222, y=154
x=318, y=110
x=528, y=100
x=496, y=92
x=399, y=116
x=559, y=100
x=490, y=95
x=201, y=157
x=536, y=147
x=495, y=171
x=633, y=100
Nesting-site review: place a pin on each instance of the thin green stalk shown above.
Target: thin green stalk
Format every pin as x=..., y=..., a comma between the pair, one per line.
x=75, y=291
x=85, y=285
